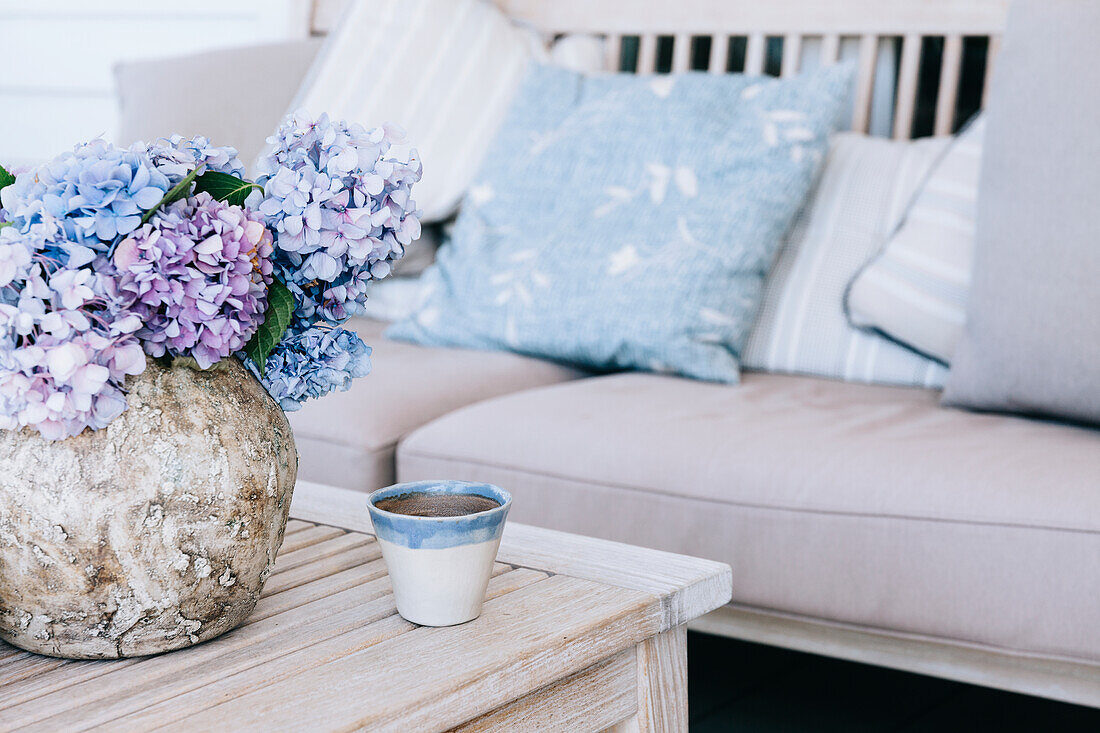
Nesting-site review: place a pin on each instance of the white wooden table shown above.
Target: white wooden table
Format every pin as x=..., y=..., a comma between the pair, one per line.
x=576, y=634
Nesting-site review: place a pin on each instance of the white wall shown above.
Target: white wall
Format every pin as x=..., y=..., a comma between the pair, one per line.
x=56, y=56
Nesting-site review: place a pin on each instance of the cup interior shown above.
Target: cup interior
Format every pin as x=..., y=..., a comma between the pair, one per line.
x=442, y=488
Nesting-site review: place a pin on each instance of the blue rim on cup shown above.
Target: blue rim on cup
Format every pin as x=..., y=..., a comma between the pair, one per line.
x=437, y=533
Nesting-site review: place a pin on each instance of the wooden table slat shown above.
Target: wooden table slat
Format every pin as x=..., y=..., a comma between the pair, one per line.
x=281, y=634
x=505, y=651
x=284, y=581
x=53, y=677
x=122, y=690
x=19, y=666
x=181, y=708
x=593, y=699
x=296, y=525
x=326, y=585
x=24, y=666
x=320, y=550
x=311, y=536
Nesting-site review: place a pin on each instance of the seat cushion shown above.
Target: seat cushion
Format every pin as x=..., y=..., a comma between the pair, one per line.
x=854, y=503
x=348, y=438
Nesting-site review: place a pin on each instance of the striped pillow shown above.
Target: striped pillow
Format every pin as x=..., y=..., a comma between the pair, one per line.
x=445, y=70
x=801, y=328
x=915, y=291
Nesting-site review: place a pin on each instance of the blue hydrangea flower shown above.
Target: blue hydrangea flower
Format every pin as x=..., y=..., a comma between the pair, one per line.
x=339, y=199
x=311, y=363
x=96, y=192
x=177, y=156
x=65, y=345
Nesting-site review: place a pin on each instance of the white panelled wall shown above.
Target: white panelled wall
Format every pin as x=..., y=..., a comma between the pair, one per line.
x=56, y=57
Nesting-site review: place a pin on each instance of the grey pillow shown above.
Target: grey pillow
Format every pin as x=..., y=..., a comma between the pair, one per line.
x=234, y=96
x=1032, y=337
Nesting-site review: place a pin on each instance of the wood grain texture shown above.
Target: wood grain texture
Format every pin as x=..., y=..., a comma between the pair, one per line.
x=311, y=536
x=662, y=685
x=332, y=635
x=294, y=526
x=1058, y=679
x=180, y=708
x=53, y=676
x=122, y=688
x=313, y=645
x=688, y=586
x=323, y=614
x=23, y=665
x=593, y=699
x=520, y=643
x=330, y=565
x=320, y=550
x=662, y=681
x=98, y=700
x=321, y=587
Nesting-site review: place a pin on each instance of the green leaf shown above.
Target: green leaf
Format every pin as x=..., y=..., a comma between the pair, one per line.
x=175, y=193
x=4, y=224
x=6, y=179
x=280, y=309
x=224, y=187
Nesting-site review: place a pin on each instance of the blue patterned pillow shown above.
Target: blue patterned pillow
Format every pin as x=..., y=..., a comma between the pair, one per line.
x=626, y=221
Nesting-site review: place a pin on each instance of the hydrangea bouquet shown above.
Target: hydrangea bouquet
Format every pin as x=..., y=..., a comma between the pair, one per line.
x=109, y=256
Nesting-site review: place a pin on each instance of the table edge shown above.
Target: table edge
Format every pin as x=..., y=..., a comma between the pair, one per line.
x=687, y=586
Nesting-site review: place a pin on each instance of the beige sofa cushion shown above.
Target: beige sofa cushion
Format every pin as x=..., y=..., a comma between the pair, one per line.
x=854, y=503
x=234, y=96
x=347, y=438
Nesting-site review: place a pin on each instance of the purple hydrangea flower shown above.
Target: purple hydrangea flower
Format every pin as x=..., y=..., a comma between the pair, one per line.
x=177, y=156
x=339, y=198
x=197, y=276
x=65, y=345
x=96, y=192
x=311, y=363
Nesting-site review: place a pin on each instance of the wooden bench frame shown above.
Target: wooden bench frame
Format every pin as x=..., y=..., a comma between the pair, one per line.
x=832, y=22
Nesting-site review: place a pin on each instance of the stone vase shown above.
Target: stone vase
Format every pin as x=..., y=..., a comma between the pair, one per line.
x=154, y=533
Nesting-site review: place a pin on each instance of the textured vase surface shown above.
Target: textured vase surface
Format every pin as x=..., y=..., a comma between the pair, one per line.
x=152, y=534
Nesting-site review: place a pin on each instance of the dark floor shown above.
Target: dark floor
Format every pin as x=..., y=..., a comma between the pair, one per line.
x=738, y=686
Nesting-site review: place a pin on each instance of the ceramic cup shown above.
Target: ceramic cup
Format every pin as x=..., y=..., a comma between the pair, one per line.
x=439, y=566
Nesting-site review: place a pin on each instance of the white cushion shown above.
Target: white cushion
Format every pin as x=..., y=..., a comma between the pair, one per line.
x=916, y=290
x=444, y=70
x=198, y=101
x=802, y=328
